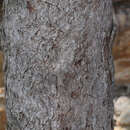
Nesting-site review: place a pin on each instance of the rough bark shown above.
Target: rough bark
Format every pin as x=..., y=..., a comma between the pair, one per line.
x=58, y=64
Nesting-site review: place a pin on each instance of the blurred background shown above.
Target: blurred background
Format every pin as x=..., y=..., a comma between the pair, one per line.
x=121, y=54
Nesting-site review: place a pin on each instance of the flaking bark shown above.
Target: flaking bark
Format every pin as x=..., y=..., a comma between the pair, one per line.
x=58, y=64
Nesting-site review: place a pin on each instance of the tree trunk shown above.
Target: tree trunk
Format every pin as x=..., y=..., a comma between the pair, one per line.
x=58, y=64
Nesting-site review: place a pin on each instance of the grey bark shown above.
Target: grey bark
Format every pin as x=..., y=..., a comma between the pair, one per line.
x=58, y=64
